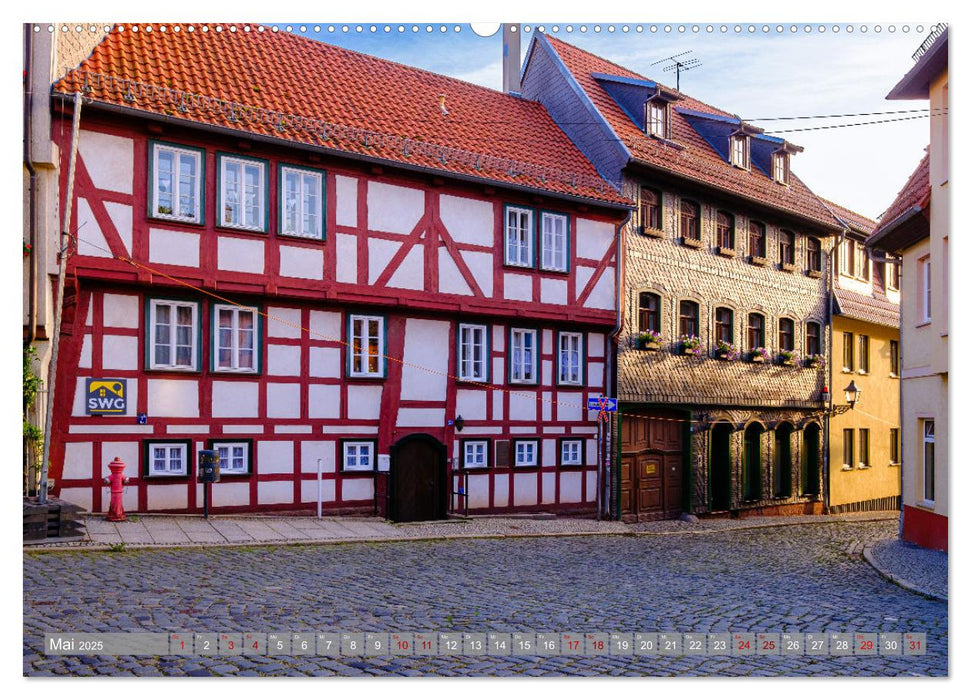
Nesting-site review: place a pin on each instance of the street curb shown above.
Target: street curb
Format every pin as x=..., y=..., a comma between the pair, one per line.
x=128, y=547
x=899, y=580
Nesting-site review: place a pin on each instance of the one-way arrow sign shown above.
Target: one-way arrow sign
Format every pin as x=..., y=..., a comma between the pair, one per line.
x=601, y=403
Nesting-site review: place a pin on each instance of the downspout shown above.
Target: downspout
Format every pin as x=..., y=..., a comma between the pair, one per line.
x=61, y=273
x=831, y=300
x=32, y=193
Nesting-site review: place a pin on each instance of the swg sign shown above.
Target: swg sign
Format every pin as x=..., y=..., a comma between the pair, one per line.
x=105, y=396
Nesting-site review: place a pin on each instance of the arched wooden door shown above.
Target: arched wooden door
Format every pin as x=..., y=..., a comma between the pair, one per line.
x=417, y=479
x=720, y=463
x=810, y=460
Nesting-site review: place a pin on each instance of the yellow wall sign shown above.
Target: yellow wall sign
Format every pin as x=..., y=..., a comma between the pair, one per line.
x=651, y=468
x=106, y=396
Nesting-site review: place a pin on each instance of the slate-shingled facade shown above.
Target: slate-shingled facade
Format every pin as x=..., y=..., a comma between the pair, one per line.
x=701, y=434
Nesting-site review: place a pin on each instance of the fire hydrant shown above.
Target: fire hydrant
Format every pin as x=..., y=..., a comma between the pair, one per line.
x=117, y=481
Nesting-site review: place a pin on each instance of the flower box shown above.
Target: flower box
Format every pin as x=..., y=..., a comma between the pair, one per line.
x=816, y=274
x=691, y=242
x=755, y=357
x=757, y=260
x=787, y=267
x=686, y=350
x=649, y=345
x=725, y=252
x=651, y=232
x=725, y=355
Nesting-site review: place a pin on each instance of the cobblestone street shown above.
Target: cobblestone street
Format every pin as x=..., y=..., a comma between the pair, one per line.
x=798, y=578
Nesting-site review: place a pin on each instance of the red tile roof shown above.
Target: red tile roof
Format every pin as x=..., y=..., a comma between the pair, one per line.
x=278, y=85
x=857, y=222
x=698, y=160
x=916, y=193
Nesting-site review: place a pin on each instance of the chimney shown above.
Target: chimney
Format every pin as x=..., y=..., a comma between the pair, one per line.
x=510, y=58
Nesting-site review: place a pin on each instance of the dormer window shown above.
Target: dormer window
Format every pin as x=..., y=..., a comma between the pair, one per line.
x=740, y=151
x=657, y=118
x=780, y=167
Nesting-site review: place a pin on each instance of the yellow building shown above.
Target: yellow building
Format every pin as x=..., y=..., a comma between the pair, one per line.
x=864, y=442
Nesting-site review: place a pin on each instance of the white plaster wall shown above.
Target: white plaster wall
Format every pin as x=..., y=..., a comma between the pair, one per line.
x=308, y=491
x=282, y=400
x=498, y=338
x=411, y=272
x=274, y=457
x=547, y=342
x=243, y=429
x=603, y=294
x=549, y=453
x=301, y=263
x=357, y=489
x=169, y=398
x=525, y=492
x=173, y=429
x=364, y=402
x=591, y=477
x=478, y=491
x=591, y=453
x=427, y=345
x=312, y=450
x=84, y=362
x=91, y=241
x=346, y=258
x=583, y=275
x=571, y=486
x=240, y=254
x=546, y=405
x=421, y=417
x=230, y=494
x=392, y=208
x=269, y=492
x=595, y=344
x=450, y=279
x=235, y=400
x=346, y=191
x=119, y=352
x=120, y=311
x=77, y=460
x=570, y=406
x=173, y=247
x=468, y=220
x=549, y=488
x=80, y=497
x=121, y=217
x=552, y=291
x=167, y=496
x=498, y=371
x=595, y=375
x=325, y=362
x=293, y=429
x=470, y=404
x=109, y=160
x=283, y=322
x=497, y=405
x=325, y=325
x=500, y=490
x=522, y=405
x=324, y=401
x=380, y=253
x=517, y=287
x=594, y=238
x=546, y=369
x=480, y=265
x=283, y=360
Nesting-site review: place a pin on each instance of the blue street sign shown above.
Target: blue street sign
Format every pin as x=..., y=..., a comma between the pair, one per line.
x=601, y=403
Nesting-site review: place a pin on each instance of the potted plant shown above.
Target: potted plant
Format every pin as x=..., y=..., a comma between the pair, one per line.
x=815, y=361
x=787, y=357
x=648, y=340
x=759, y=355
x=725, y=351
x=690, y=344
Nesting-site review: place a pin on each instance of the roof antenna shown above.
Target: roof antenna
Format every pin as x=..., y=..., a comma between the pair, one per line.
x=441, y=104
x=679, y=64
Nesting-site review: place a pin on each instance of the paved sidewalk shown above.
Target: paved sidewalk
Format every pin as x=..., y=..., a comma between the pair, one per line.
x=141, y=531
x=917, y=569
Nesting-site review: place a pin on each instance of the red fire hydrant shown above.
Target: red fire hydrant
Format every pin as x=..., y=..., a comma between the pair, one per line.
x=117, y=481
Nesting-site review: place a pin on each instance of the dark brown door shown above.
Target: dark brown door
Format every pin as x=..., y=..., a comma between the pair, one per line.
x=417, y=479
x=651, y=466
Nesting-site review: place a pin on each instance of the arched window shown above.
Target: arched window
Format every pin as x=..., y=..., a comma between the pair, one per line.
x=756, y=331
x=688, y=318
x=787, y=334
x=649, y=312
x=813, y=339
x=690, y=220
x=725, y=228
x=725, y=325
x=782, y=462
x=756, y=239
x=787, y=247
x=650, y=208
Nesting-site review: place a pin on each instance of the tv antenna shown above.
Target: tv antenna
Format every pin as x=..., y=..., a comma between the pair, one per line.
x=678, y=64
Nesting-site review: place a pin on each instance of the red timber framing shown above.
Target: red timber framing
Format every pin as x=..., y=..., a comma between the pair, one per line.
x=420, y=253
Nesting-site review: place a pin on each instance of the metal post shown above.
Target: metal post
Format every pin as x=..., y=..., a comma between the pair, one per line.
x=600, y=470
x=61, y=271
x=320, y=486
x=205, y=500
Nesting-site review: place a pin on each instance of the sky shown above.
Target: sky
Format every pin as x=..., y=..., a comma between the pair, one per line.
x=756, y=75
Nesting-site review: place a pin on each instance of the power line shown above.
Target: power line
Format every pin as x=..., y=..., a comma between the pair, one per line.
x=842, y=126
x=841, y=116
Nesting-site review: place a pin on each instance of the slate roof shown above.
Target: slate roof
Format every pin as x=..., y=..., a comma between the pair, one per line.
x=277, y=85
x=698, y=160
x=915, y=193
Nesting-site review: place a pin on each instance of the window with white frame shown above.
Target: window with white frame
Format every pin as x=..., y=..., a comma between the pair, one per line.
x=519, y=236
x=176, y=183
x=523, y=358
x=740, y=151
x=473, y=353
x=242, y=193
x=168, y=459
x=234, y=457
x=571, y=453
x=358, y=456
x=173, y=328
x=235, y=339
x=301, y=202
x=555, y=241
x=928, y=459
x=780, y=167
x=367, y=344
x=475, y=454
x=924, y=283
x=570, y=358
x=657, y=113
x=526, y=453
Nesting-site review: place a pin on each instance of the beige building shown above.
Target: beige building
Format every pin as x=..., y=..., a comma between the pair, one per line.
x=864, y=442
x=916, y=227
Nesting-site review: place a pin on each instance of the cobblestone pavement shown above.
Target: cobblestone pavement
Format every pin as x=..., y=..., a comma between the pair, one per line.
x=921, y=569
x=798, y=579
